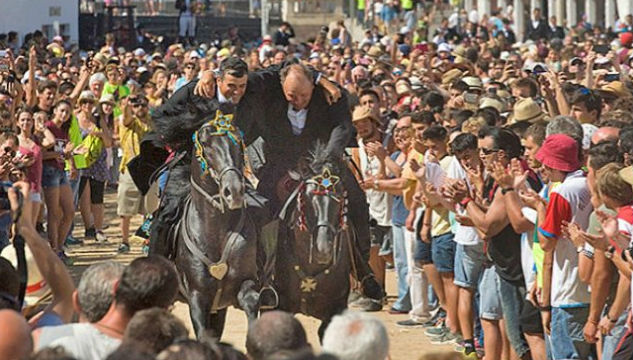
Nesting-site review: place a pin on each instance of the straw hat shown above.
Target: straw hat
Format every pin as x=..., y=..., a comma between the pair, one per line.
x=527, y=110
x=107, y=99
x=614, y=89
x=362, y=113
x=451, y=75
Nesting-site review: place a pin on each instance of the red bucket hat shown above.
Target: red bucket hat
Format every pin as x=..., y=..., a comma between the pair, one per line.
x=559, y=152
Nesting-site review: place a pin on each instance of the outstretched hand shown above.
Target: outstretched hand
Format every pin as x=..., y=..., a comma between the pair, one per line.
x=206, y=85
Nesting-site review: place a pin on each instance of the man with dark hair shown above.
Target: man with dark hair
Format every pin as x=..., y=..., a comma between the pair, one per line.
x=525, y=88
x=283, y=35
x=586, y=106
x=147, y=282
x=275, y=331
x=536, y=28
x=625, y=145
x=497, y=147
x=46, y=93
x=604, y=273
x=153, y=330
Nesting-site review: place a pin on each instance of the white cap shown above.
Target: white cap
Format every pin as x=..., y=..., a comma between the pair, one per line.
x=139, y=52
x=194, y=55
x=444, y=47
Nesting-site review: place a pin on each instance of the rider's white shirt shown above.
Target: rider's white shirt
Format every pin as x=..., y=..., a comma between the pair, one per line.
x=297, y=119
x=222, y=99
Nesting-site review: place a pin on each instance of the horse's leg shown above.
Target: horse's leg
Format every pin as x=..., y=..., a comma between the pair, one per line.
x=326, y=321
x=248, y=299
x=199, y=308
x=216, y=322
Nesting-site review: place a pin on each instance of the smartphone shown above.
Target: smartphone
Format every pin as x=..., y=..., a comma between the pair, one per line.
x=601, y=49
x=612, y=77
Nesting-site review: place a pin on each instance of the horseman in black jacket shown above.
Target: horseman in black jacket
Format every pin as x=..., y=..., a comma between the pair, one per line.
x=297, y=114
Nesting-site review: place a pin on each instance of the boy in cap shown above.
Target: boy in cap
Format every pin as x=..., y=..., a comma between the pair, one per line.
x=565, y=299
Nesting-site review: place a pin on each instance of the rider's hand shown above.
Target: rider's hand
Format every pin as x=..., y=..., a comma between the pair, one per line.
x=206, y=85
x=332, y=93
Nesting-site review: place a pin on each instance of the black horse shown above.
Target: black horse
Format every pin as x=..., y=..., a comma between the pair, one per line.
x=216, y=242
x=312, y=271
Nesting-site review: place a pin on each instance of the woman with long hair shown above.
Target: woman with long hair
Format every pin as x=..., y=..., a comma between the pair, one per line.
x=30, y=155
x=58, y=195
x=92, y=179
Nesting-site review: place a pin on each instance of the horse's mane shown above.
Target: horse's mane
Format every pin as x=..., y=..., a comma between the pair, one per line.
x=176, y=124
x=318, y=158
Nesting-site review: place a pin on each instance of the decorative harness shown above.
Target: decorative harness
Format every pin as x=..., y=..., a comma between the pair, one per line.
x=223, y=124
x=325, y=186
x=223, y=127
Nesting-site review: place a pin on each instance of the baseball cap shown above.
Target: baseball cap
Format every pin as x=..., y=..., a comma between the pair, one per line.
x=36, y=286
x=627, y=174
x=139, y=52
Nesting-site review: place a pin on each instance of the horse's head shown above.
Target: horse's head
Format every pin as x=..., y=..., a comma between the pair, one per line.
x=322, y=203
x=219, y=156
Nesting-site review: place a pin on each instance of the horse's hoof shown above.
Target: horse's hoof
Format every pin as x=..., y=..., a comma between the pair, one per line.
x=268, y=298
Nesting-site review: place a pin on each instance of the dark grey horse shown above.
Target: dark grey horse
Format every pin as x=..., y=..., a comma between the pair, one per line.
x=216, y=241
x=313, y=262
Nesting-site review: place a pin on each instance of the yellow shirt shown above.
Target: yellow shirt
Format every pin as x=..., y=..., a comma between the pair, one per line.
x=131, y=136
x=407, y=173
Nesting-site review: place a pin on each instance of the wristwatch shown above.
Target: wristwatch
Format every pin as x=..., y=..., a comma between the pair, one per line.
x=609, y=253
x=506, y=190
x=612, y=321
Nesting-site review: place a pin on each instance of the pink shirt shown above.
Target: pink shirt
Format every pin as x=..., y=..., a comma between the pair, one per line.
x=34, y=172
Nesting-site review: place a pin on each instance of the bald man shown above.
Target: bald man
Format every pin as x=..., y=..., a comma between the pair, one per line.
x=275, y=331
x=606, y=133
x=15, y=336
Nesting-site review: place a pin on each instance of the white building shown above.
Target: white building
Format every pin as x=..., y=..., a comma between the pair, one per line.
x=602, y=12
x=52, y=17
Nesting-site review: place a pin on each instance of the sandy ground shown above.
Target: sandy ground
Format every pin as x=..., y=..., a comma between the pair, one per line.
x=405, y=343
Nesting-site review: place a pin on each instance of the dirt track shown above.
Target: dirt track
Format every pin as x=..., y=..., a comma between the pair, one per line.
x=405, y=343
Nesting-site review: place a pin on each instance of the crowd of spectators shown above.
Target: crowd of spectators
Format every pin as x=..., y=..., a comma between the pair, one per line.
x=496, y=166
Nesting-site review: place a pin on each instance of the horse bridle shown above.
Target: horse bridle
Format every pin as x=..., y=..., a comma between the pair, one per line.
x=220, y=130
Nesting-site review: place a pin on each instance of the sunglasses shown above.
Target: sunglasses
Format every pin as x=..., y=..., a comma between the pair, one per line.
x=488, y=151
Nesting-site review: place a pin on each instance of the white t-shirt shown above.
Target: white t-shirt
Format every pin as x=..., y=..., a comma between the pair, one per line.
x=83, y=341
x=464, y=235
x=570, y=201
x=380, y=202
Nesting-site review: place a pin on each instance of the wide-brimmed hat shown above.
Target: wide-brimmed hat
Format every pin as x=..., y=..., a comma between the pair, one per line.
x=107, y=99
x=473, y=82
x=449, y=76
x=362, y=113
x=87, y=95
x=374, y=52
x=492, y=102
x=527, y=110
x=614, y=89
x=627, y=174
x=36, y=287
x=559, y=152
